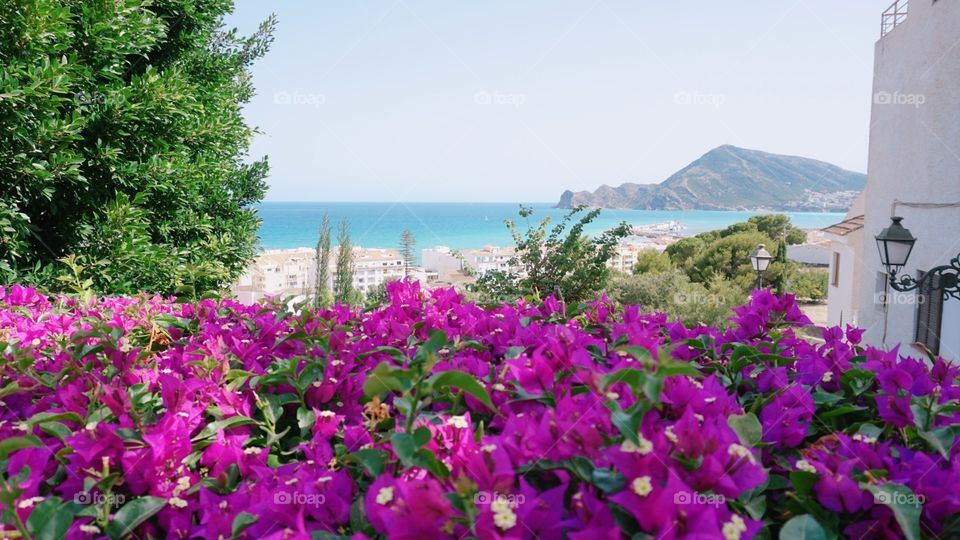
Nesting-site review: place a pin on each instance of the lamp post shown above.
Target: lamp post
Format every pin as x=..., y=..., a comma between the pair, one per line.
x=895, y=244
x=760, y=259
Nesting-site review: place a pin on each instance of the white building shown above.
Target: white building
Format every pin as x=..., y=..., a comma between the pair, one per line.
x=914, y=172
x=285, y=272
x=372, y=267
x=446, y=261
x=625, y=256
x=293, y=272
x=846, y=273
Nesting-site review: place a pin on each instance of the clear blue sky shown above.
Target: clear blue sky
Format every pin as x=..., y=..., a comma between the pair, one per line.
x=506, y=100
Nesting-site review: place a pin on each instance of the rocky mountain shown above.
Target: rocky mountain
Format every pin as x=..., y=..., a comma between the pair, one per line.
x=732, y=178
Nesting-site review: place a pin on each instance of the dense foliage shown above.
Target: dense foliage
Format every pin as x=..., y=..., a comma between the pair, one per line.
x=726, y=252
x=122, y=144
x=673, y=293
x=434, y=418
x=558, y=260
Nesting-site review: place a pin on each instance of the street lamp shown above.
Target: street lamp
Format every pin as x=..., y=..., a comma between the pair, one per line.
x=760, y=259
x=895, y=244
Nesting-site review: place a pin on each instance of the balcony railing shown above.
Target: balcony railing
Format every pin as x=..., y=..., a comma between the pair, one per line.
x=893, y=16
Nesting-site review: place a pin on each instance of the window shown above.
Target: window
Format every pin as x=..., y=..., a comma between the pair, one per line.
x=929, y=315
x=835, y=275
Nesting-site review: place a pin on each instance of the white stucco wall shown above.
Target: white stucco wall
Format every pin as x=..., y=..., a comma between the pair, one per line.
x=914, y=158
x=843, y=304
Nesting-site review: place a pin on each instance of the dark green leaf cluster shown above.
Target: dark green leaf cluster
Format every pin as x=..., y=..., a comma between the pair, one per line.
x=122, y=144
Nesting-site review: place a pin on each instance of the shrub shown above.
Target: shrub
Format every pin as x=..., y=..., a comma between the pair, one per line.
x=558, y=261
x=123, y=145
x=652, y=261
x=431, y=417
x=810, y=285
x=674, y=294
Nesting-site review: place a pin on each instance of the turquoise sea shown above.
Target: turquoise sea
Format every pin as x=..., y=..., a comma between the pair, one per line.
x=466, y=225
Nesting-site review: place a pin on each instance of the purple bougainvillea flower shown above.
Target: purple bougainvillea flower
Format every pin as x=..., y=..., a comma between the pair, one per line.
x=786, y=419
x=133, y=386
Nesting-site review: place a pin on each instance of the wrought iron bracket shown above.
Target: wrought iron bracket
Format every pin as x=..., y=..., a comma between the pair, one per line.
x=945, y=279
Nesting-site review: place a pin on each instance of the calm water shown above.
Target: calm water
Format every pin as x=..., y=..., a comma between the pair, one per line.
x=465, y=225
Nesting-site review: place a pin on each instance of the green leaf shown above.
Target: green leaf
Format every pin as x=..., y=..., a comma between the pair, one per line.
x=405, y=447
x=608, y=481
x=425, y=459
x=941, y=439
x=241, y=522
x=514, y=352
x=12, y=444
x=372, y=460
x=132, y=515
x=803, y=527
x=427, y=351
x=306, y=418
x=803, y=481
x=464, y=381
x=869, y=430
x=43, y=417
x=47, y=515
x=421, y=436
x=56, y=429
x=640, y=354
x=857, y=380
x=11, y=388
x=826, y=398
x=212, y=428
x=748, y=428
x=840, y=411
x=385, y=378
x=906, y=506
x=670, y=368
x=628, y=422
x=632, y=377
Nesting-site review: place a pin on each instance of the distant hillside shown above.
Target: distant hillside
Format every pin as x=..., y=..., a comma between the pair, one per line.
x=731, y=178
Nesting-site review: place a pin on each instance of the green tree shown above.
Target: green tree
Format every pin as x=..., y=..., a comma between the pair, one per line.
x=684, y=252
x=650, y=261
x=377, y=296
x=560, y=261
x=810, y=285
x=673, y=293
x=408, y=251
x=730, y=257
x=323, y=296
x=122, y=144
x=343, y=290
x=782, y=268
x=778, y=227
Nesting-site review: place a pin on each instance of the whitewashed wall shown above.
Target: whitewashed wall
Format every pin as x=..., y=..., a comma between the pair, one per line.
x=914, y=158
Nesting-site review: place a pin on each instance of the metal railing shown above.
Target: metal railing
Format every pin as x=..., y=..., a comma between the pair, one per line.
x=893, y=16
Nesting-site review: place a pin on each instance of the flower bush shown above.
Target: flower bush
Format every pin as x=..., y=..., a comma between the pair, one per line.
x=431, y=417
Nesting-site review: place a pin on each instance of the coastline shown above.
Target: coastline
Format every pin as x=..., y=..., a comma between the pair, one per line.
x=289, y=225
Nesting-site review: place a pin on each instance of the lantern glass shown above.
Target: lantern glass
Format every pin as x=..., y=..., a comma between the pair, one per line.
x=760, y=259
x=895, y=244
